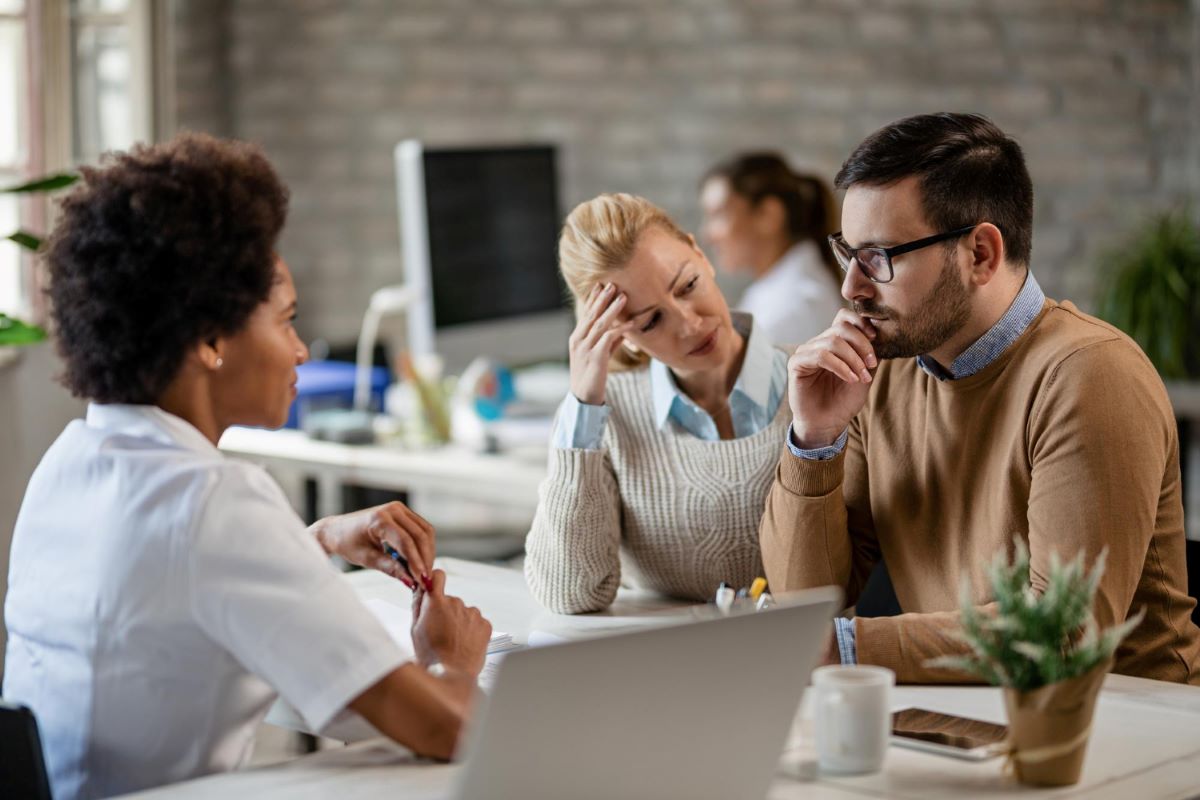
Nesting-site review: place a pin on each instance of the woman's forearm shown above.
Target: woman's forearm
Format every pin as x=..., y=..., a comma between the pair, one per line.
x=418, y=710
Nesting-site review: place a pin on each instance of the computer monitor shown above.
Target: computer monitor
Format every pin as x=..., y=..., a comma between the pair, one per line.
x=478, y=235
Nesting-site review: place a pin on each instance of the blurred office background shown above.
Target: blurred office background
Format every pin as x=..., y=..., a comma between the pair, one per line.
x=637, y=95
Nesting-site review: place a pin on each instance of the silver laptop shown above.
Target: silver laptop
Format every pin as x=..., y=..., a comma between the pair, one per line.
x=696, y=710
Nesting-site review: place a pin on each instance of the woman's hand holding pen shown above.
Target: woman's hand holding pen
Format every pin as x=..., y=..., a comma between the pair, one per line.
x=365, y=537
x=828, y=379
x=596, y=337
x=447, y=630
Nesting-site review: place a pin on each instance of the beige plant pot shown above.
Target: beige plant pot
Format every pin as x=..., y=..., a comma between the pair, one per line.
x=1048, y=728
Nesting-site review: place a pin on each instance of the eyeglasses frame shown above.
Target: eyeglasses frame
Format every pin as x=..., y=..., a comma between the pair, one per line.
x=891, y=252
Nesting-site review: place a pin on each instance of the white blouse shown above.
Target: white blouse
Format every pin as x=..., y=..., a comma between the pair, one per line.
x=159, y=596
x=796, y=299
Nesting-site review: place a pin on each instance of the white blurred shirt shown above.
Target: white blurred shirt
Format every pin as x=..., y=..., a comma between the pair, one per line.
x=159, y=595
x=796, y=299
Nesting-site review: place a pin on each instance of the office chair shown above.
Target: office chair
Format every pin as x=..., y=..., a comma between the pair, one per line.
x=22, y=768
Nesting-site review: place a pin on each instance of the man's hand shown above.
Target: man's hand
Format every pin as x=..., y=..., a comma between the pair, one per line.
x=828, y=380
x=359, y=538
x=445, y=629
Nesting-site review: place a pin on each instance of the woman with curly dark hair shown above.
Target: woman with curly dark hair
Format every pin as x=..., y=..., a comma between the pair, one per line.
x=160, y=594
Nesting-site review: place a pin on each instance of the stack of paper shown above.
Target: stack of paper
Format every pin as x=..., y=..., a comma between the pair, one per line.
x=501, y=642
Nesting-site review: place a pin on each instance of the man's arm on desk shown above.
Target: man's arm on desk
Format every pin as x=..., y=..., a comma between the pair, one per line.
x=817, y=528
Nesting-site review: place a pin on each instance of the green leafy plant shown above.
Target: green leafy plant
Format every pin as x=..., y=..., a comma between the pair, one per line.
x=1152, y=292
x=1033, y=640
x=14, y=331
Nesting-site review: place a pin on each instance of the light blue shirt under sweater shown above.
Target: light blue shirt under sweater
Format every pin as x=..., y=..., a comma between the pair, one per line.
x=760, y=387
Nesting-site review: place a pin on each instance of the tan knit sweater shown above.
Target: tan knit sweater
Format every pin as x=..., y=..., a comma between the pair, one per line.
x=679, y=513
x=1066, y=440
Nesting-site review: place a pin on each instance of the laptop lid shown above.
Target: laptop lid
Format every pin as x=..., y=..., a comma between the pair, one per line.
x=698, y=710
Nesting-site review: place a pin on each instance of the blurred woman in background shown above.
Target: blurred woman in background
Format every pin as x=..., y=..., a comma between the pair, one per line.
x=764, y=219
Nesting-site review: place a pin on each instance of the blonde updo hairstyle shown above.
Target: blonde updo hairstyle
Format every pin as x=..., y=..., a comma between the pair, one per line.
x=599, y=237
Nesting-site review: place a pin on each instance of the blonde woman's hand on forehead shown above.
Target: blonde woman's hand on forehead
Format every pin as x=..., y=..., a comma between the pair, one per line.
x=596, y=337
x=828, y=379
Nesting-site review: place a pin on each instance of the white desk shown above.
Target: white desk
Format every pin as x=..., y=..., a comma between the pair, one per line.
x=507, y=481
x=1144, y=742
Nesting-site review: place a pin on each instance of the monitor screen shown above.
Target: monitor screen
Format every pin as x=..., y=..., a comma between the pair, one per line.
x=493, y=223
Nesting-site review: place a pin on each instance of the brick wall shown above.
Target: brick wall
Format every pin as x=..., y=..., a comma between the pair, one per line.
x=642, y=95
x=202, y=66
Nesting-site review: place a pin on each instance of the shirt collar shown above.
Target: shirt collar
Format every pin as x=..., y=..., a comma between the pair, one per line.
x=753, y=382
x=148, y=422
x=987, y=348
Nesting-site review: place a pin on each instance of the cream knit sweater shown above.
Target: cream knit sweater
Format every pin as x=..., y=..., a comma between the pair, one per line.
x=679, y=514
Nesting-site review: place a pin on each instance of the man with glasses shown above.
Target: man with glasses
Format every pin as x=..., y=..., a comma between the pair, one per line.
x=954, y=407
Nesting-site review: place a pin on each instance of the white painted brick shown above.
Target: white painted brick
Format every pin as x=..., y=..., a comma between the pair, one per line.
x=671, y=26
x=609, y=25
x=806, y=27
x=885, y=27
x=545, y=26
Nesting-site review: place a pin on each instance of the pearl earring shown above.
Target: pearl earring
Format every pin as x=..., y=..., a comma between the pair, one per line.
x=220, y=361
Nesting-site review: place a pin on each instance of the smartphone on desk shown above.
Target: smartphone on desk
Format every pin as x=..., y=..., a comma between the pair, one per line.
x=947, y=734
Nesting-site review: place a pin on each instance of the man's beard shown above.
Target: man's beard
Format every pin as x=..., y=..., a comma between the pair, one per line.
x=939, y=315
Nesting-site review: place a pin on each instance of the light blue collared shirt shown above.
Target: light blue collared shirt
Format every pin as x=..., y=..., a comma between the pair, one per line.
x=755, y=398
x=986, y=349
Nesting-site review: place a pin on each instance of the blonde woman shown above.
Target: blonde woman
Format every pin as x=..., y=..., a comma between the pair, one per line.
x=666, y=446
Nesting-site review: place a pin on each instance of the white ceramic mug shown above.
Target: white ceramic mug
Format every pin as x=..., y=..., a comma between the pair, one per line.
x=853, y=707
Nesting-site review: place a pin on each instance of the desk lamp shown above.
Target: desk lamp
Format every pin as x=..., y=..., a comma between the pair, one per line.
x=385, y=302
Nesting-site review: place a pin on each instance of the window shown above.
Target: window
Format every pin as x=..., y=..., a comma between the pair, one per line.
x=109, y=73
x=97, y=57
x=14, y=142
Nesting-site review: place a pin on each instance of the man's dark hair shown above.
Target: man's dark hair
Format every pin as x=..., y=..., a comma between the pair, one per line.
x=159, y=249
x=970, y=172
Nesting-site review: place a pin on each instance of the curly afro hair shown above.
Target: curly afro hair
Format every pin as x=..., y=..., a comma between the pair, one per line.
x=159, y=249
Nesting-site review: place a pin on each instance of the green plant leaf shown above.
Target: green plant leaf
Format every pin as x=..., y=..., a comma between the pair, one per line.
x=26, y=239
x=48, y=183
x=15, y=332
x=1151, y=290
x=1026, y=639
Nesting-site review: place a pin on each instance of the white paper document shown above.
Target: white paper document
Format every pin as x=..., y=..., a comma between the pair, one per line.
x=397, y=621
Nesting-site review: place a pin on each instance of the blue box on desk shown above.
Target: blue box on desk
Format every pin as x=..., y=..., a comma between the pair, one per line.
x=330, y=384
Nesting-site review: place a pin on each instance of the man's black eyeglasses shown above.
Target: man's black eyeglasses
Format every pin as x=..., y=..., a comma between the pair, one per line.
x=876, y=262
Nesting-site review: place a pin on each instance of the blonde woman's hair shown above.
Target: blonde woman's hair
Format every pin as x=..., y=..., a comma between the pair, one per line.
x=599, y=237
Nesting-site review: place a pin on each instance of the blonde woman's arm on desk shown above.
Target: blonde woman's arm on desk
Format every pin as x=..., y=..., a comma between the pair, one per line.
x=571, y=554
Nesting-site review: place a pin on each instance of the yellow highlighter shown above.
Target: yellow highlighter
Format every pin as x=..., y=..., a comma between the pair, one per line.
x=757, y=588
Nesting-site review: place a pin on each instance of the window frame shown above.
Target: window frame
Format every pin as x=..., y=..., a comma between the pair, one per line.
x=27, y=158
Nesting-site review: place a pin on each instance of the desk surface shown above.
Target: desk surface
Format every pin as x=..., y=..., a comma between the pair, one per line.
x=506, y=479
x=1144, y=741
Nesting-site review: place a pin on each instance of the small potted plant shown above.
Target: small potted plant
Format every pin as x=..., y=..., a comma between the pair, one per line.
x=1049, y=655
